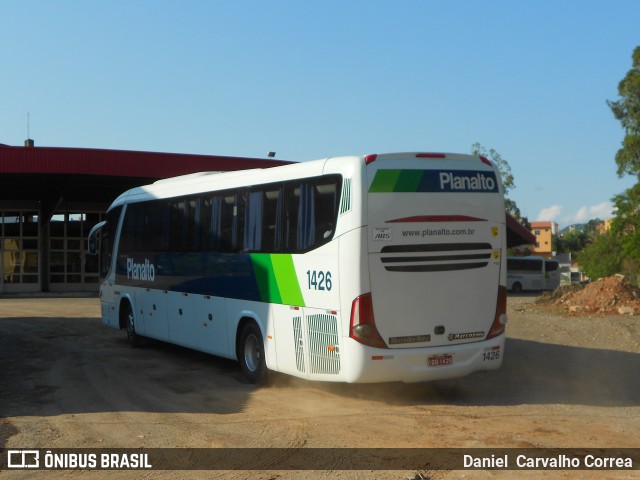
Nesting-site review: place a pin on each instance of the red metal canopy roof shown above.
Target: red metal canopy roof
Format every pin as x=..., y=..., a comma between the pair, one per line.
x=85, y=174
x=51, y=175
x=118, y=163
x=518, y=234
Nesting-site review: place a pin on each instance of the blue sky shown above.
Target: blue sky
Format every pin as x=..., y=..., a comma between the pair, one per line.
x=310, y=79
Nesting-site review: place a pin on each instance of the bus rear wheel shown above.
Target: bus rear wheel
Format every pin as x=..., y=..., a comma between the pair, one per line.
x=251, y=354
x=516, y=287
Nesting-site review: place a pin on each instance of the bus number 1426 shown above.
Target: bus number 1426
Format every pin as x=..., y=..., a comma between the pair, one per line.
x=319, y=280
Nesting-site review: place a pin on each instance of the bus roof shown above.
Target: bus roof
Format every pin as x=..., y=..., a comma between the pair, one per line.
x=211, y=181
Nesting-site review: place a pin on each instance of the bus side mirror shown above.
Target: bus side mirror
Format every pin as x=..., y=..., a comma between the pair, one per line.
x=93, y=238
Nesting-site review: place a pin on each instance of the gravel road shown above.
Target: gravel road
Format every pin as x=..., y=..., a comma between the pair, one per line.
x=68, y=381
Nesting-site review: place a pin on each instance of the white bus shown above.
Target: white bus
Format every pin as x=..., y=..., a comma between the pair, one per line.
x=532, y=273
x=356, y=269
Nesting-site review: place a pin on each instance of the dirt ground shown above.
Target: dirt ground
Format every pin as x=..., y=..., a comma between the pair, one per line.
x=68, y=381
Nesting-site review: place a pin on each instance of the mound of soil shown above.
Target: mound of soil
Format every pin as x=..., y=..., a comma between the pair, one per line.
x=609, y=295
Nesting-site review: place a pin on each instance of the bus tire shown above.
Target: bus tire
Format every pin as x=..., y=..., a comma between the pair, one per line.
x=130, y=326
x=251, y=354
x=516, y=287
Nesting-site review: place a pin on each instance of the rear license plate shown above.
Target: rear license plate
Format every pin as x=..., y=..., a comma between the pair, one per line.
x=440, y=360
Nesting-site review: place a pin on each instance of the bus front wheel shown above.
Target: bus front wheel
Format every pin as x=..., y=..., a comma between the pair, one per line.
x=516, y=287
x=251, y=354
x=132, y=336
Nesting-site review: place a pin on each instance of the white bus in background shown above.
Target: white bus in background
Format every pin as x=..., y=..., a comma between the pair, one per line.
x=532, y=273
x=355, y=269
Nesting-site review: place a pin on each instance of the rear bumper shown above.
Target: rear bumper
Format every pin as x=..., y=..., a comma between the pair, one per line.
x=410, y=365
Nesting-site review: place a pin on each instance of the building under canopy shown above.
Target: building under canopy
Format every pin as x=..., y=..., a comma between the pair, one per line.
x=51, y=197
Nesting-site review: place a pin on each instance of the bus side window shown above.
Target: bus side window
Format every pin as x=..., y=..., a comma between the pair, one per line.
x=193, y=236
x=310, y=212
x=108, y=234
x=133, y=231
x=261, y=221
x=178, y=231
x=252, y=238
x=291, y=199
x=306, y=231
x=156, y=227
x=226, y=242
x=327, y=208
x=272, y=220
x=211, y=209
x=217, y=222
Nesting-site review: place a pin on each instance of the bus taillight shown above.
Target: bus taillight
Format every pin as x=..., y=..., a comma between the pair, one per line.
x=363, y=325
x=500, y=319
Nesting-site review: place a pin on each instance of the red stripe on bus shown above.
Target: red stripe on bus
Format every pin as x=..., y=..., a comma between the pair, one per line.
x=437, y=218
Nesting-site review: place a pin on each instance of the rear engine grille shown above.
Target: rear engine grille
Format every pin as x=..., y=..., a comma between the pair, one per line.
x=468, y=256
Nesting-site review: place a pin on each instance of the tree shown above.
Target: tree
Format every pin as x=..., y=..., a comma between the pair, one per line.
x=626, y=225
x=591, y=228
x=573, y=241
x=627, y=111
x=602, y=257
x=507, y=179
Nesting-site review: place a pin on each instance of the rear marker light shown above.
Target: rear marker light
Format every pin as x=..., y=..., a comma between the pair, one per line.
x=370, y=158
x=486, y=160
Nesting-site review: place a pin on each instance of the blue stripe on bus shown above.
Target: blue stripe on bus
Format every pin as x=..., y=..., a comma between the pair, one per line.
x=258, y=277
x=217, y=274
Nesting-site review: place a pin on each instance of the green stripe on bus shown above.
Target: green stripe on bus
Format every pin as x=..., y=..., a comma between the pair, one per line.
x=385, y=181
x=396, y=180
x=287, y=280
x=408, y=181
x=265, y=277
x=276, y=279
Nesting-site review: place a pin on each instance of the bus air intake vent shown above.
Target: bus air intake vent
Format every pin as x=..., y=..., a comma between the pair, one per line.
x=299, y=343
x=444, y=257
x=345, y=204
x=324, y=354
